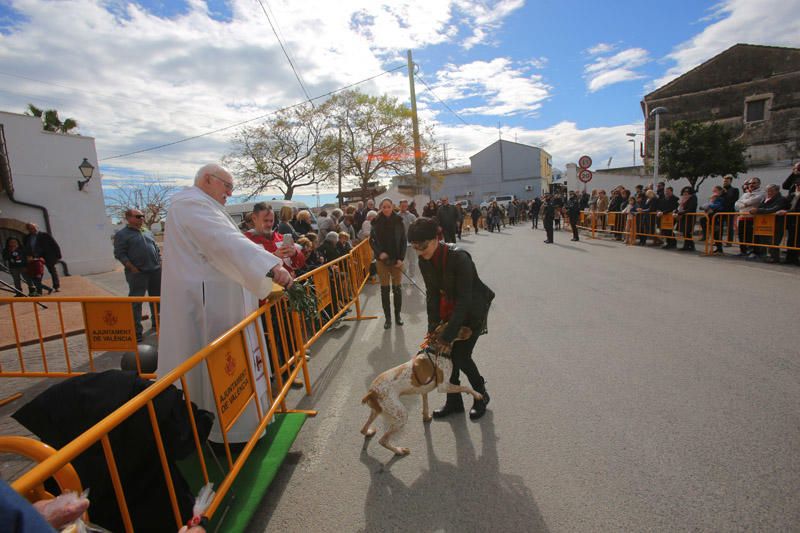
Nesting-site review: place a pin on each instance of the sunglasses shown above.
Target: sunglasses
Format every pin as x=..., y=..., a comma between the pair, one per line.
x=137, y=216
x=228, y=186
x=420, y=245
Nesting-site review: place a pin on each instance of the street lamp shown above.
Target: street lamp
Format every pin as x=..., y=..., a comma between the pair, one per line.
x=634, y=150
x=87, y=170
x=657, y=112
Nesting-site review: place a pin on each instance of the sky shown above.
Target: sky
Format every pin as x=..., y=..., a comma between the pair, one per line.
x=567, y=76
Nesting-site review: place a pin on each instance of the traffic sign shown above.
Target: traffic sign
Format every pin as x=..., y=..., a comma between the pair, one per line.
x=585, y=162
x=585, y=175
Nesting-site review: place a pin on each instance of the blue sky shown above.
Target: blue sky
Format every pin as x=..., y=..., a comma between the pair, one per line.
x=567, y=76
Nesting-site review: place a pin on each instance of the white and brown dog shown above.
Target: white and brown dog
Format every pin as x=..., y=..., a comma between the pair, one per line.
x=423, y=373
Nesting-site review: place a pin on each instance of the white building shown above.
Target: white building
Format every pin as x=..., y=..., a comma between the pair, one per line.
x=39, y=184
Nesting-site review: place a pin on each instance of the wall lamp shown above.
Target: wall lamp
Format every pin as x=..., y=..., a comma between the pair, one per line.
x=87, y=170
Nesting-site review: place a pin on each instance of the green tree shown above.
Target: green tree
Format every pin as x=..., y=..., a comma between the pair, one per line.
x=50, y=119
x=376, y=135
x=287, y=152
x=697, y=151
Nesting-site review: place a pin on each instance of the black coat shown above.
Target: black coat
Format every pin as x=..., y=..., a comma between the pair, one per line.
x=731, y=195
x=573, y=208
x=548, y=210
x=388, y=235
x=46, y=247
x=459, y=281
x=448, y=216
x=771, y=206
x=792, y=180
x=668, y=205
x=66, y=410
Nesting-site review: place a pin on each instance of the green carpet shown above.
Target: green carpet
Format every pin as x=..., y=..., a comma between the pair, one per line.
x=244, y=497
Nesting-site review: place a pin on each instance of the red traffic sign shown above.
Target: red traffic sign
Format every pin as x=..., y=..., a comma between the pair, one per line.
x=585, y=162
x=585, y=175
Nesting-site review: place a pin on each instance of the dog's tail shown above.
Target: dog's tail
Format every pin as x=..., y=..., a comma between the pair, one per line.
x=371, y=399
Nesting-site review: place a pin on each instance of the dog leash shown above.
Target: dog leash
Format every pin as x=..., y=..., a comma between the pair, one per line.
x=435, y=364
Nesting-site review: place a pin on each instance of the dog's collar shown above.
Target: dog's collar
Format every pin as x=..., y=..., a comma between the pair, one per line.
x=428, y=351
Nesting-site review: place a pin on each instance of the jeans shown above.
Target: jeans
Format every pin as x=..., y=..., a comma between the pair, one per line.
x=140, y=283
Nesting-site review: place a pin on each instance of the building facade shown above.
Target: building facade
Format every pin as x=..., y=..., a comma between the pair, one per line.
x=40, y=184
x=502, y=168
x=750, y=89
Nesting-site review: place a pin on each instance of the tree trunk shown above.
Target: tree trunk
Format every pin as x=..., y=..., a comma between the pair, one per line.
x=289, y=193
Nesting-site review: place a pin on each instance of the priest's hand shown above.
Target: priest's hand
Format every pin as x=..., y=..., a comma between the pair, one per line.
x=281, y=276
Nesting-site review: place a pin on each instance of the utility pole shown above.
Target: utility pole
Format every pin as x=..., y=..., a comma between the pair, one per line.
x=414, y=121
x=339, y=146
x=444, y=149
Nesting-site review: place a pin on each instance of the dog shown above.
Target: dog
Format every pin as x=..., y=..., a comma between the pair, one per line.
x=423, y=373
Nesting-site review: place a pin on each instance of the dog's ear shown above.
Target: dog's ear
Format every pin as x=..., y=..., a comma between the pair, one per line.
x=464, y=333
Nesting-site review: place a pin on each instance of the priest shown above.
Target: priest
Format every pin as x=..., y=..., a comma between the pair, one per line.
x=212, y=277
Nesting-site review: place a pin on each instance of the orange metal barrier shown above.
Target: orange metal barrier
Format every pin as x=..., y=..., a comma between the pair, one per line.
x=107, y=322
x=611, y=222
x=670, y=227
x=754, y=232
x=337, y=286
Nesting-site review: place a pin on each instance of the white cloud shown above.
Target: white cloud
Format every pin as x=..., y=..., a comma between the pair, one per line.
x=565, y=141
x=768, y=22
x=605, y=71
x=486, y=17
x=145, y=80
x=600, y=48
x=506, y=88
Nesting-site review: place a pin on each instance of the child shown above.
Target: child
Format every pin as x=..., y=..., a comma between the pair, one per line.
x=35, y=274
x=344, y=246
x=15, y=258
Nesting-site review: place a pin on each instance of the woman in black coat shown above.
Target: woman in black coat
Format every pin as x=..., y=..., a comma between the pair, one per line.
x=455, y=295
x=388, y=241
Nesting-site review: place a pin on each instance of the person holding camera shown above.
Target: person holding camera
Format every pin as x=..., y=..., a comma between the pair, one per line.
x=388, y=241
x=454, y=295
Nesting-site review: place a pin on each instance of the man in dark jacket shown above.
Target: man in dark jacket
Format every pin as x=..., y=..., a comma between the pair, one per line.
x=731, y=194
x=448, y=219
x=667, y=206
x=793, y=179
x=549, y=215
x=772, y=203
x=687, y=206
x=792, y=225
x=40, y=244
x=138, y=252
x=536, y=205
x=615, y=206
x=574, y=213
x=454, y=295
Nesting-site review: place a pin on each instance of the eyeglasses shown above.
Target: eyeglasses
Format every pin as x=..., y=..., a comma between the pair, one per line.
x=228, y=186
x=137, y=216
x=420, y=245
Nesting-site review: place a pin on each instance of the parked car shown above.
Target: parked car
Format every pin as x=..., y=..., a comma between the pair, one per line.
x=502, y=200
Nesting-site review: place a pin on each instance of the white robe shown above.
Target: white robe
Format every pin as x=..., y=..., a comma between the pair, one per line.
x=212, y=277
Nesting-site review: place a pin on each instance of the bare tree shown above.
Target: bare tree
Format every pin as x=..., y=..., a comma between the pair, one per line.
x=151, y=198
x=286, y=152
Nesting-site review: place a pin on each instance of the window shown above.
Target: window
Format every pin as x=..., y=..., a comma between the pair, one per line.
x=756, y=108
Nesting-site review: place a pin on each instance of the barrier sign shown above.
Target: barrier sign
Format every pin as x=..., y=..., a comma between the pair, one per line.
x=585, y=175
x=612, y=219
x=230, y=380
x=764, y=225
x=322, y=286
x=667, y=221
x=585, y=161
x=109, y=326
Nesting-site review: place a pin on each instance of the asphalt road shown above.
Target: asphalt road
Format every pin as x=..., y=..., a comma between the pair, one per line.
x=632, y=389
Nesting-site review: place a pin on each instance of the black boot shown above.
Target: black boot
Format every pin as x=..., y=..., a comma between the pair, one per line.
x=479, y=407
x=454, y=404
x=397, y=294
x=387, y=307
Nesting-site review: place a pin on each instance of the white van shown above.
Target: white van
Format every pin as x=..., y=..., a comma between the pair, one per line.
x=502, y=200
x=238, y=211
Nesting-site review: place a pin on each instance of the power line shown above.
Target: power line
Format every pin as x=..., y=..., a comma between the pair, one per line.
x=185, y=139
x=289, y=59
x=442, y=101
